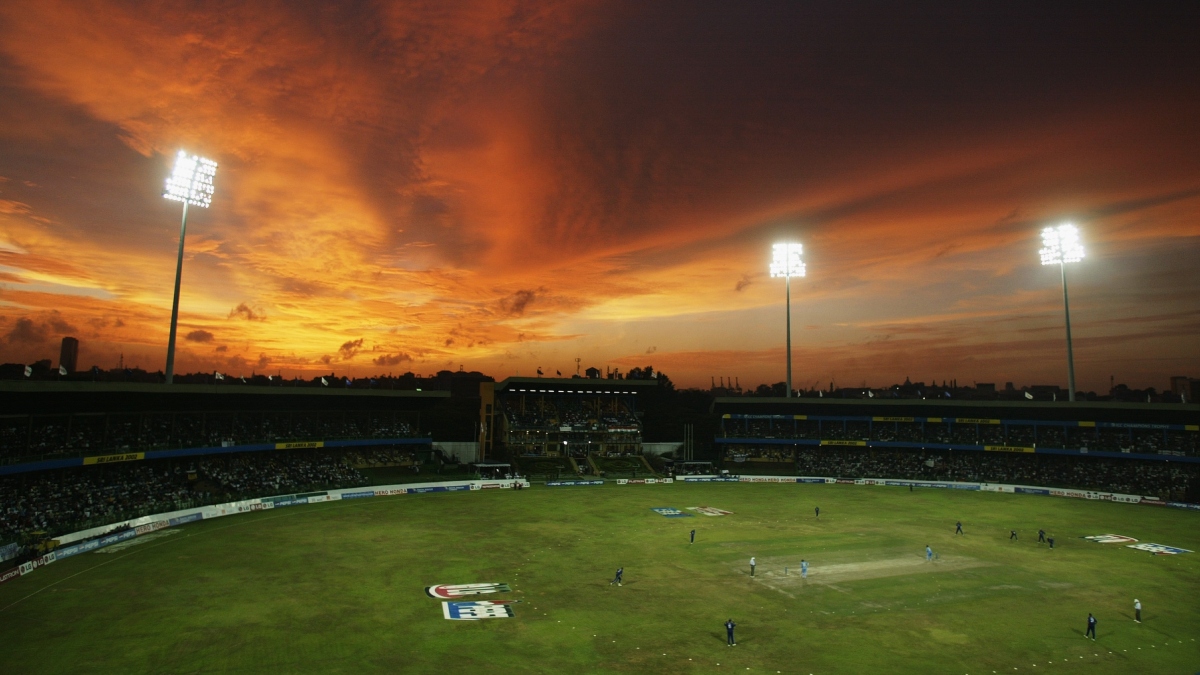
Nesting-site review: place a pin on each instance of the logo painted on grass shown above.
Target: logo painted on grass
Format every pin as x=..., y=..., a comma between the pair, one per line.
x=449, y=591
x=1159, y=549
x=474, y=611
x=710, y=511
x=670, y=512
x=1111, y=539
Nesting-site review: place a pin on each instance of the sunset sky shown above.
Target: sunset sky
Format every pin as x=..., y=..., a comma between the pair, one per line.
x=507, y=185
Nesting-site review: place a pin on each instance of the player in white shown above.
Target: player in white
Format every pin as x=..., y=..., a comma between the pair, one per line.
x=752, y=563
x=803, y=569
x=928, y=553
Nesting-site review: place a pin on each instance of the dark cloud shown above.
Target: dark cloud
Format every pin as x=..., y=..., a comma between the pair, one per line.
x=199, y=336
x=391, y=359
x=28, y=332
x=221, y=349
x=515, y=304
x=350, y=348
x=246, y=312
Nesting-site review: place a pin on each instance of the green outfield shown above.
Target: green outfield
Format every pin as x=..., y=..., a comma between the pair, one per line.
x=339, y=587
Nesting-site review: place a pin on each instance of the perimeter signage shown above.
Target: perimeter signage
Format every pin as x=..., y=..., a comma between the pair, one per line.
x=451, y=591
x=108, y=459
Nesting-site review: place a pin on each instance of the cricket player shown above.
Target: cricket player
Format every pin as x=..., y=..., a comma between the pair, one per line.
x=928, y=553
x=752, y=565
x=803, y=569
x=1041, y=536
x=818, y=513
x=958, y=528
x=617, y=579
x=1050, y=540
x=729, y=626
x=693, y=539
x=1137, y=610
x=1012, y=535
x=1091, y=630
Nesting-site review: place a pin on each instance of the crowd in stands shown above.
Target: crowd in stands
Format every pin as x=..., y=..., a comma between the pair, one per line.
x=1129, y=440
x=580, y=414
x=24, y=436
x=1166, y=480
x=66, y=500
x=380, y=457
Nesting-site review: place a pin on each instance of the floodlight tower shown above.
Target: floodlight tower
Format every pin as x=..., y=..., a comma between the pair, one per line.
x=786, y=263
x=191, y=183
x=1061, y=245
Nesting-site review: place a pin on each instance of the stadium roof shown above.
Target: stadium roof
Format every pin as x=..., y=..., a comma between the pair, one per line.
x=17, y=386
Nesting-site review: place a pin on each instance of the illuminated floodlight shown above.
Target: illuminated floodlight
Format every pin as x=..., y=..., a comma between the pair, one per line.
x=192, y=180
x=191, y=183
x=787, y=263
x=786, y=260
x=1061, y=245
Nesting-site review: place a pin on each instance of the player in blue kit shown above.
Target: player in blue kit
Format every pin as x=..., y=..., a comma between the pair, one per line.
x=617, y=580
x=729, y=626
x=818, y=513
x=958, y=528
x=693, y=539
x=1091, y=629
x=803, y=569
x=928, y=553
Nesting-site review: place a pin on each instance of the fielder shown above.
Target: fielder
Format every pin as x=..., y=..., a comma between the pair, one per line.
x=1091, y=629
x=928, y=553
x=803, y=569
x=729, y=626
x=1137, y=610
x=752, y=563
x=617, y=579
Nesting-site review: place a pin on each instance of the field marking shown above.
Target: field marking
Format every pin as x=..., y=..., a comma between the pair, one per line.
x=831, y=575
x=146, y=548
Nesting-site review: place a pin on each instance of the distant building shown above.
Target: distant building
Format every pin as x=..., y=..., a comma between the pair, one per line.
x=593, y=373
x=69, y=356
x=986, y=386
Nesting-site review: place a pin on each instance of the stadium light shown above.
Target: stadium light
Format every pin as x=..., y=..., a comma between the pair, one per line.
x=786, y=263
x=191, y=183
x=1061, y=245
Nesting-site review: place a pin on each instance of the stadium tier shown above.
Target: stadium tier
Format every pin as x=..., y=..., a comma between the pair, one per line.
x=557, y=426
x=1141, y=449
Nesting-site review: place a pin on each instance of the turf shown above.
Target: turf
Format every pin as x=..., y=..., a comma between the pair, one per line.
x=338, y=587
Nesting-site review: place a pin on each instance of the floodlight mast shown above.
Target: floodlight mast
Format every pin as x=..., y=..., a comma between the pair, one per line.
x=786, y=262
x=191, y=183
x=1061, y=245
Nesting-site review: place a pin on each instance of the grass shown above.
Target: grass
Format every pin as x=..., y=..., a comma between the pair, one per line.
x=338, y=587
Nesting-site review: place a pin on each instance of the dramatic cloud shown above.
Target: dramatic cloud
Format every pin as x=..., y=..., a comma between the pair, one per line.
x=448, y=182
x=199, y=336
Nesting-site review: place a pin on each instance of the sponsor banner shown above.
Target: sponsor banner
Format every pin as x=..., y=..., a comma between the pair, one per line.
x=1155, y=502
x=489, y=486
x=892, y=419
x=1079, y=494
x=294, y=501
x=1031, y=490
x=1111, y=539
x=189, y=518
x=389, y=491
x=439, y=488
x=855, y=444
x=451, y=591
x=358, y=495
x=1126, y=499
x=640, y=481
x=119, y=536
x=924, y=484
x=810, y=480
x=873, y=481
x=670, y=512
x=1008, y=448
x=117, y=548
x=297, y=446
x=975, y=420
x=1158, y=549
x=666, y=480
x=474, y=611
x=30, y=566
x=847, y=481
x=10, y=574
x=1183, y=505
x=150, y=527
x=710, y=511
x=108, y=459
x=563, y=483
x=766, y=479
x=710, y=479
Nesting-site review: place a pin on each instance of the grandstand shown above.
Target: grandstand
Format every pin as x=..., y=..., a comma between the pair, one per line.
x=565, y=426
x=1145, y=449
x=78, y=454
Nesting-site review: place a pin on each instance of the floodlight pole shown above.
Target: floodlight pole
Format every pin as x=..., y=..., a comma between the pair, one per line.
x=1070, y=354
x=787, y=285
x=175, y=303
